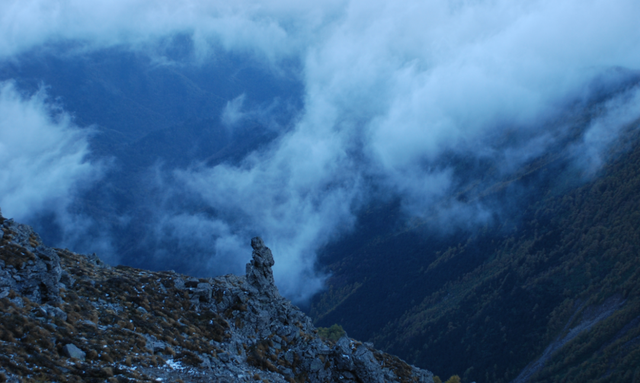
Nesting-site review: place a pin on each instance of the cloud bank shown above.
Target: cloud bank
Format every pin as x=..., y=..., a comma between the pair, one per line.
x=42, y=156
x=395, y=89
x=271, y=30
x=397, y=96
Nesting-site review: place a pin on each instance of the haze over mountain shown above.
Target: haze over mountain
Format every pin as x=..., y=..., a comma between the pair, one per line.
x=195, y=125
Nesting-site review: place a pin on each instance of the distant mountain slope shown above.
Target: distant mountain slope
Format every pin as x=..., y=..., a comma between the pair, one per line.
x=151, y=112
x=132, y=93
x=551, y=296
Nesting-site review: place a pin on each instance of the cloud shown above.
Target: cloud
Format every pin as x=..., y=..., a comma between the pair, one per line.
x=44, y=167
x=414, y=99
x=271, y=31
x=232, y=113
x=43, y=155
x=616, y=115
x=395, y=90
x=202, y=237
x=295, y=196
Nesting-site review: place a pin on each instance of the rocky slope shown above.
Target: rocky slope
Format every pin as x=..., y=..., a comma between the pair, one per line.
x=67, y=317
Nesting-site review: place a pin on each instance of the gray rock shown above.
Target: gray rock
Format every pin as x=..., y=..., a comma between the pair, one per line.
x=203, y=292
x=86, y=322
x=259, y=272
x=37, y=280
x=142, y=310
x=367, y=367
x=423, y=376
x=70, y=350
x=153, y=344
x=178, y=283
x=323, y=375
x=93, y=258
x=18, y=302
x=316, y=365
x=67, y=279
x=206, y=362
x=342, y=355
x=323, y=349
x=346, y=375
x=287, y=372
x=289, y=356
x=54, y=312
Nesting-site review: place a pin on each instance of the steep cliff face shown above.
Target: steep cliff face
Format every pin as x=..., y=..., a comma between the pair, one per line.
x=69, y=317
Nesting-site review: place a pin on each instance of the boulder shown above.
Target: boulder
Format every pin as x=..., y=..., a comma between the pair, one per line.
x=70, y=350
x=342, y=355
x=54, y=312
x=367, y=367
x=203, y=292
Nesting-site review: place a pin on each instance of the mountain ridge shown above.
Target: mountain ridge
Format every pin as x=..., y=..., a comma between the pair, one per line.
x=68, y=317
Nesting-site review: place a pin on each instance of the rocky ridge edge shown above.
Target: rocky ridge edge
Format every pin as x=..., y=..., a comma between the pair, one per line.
x=69, y=317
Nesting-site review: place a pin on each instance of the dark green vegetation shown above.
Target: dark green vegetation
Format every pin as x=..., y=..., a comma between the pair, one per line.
x=556, y=292
x=332, y=333
x=453, y=379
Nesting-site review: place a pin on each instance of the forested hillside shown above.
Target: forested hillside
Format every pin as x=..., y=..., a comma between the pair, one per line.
x=556, y=292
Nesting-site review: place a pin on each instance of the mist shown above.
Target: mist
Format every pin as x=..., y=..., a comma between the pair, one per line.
x=43, y=155
x=396, y=97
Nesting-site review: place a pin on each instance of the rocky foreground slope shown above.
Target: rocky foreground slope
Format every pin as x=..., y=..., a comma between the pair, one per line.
x=67, y=317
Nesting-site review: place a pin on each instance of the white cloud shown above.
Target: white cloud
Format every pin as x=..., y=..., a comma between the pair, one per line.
x=295, y=196
x=232, y=113
x=617, y=115
x=42, y=155
x=392, y=87
x=270, y=30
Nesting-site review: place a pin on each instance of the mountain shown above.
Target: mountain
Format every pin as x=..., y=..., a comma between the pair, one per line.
x=68, y=317
x=445, y=187
x=550, y=296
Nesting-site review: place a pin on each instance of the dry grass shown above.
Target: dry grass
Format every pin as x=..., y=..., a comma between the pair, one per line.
x=109, y=310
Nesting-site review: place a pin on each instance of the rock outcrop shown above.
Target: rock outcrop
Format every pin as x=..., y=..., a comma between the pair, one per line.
x=70, y=317
x=28, y=268
x=259, y=272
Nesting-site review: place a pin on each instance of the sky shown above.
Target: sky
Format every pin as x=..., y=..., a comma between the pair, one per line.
x=392, y=92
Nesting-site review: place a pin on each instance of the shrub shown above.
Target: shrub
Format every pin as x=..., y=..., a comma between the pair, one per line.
x=332, y=333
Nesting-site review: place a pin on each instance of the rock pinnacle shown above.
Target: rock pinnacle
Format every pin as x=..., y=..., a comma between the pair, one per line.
x=259, y=272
